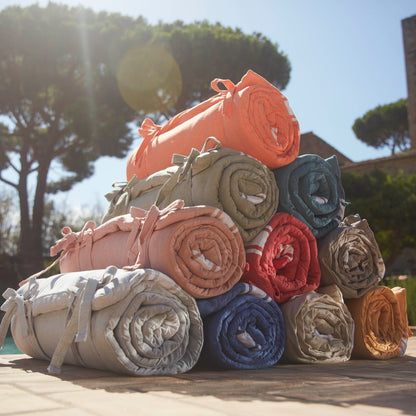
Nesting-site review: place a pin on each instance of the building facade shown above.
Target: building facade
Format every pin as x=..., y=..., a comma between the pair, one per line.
x=409, y=44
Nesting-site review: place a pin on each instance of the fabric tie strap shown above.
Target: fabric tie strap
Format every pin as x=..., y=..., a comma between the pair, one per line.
x=78, y=324
x=229, y=85
x=71, y=238
x=15, y=305
x=148, y=127
x=119, y=189
x=185, y=163
x=65, y=244
x=149, y=224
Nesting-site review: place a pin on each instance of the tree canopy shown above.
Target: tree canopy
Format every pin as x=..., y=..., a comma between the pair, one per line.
x=385, y=126
x=182, y=60
x=60, y=103
x=72, y=81
x=205, y=52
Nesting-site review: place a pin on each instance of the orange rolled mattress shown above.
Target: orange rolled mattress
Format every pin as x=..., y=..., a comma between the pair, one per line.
x=252, y=116
x=381, y=326
x=199, y=247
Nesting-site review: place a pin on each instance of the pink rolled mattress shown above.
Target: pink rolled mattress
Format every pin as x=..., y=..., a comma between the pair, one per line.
x=199, y=247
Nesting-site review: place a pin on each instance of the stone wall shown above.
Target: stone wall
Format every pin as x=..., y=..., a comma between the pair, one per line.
x=409, y=44
x=402, y=162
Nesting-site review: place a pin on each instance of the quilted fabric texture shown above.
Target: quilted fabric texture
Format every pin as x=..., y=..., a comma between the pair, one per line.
x=222, y=247
x=381, y=328
x=283, y=259
x=223, y=178
x=134, y=322
x=252, y=116
x=311, y=190
x=319, y=327
x=199, y=247
x=349, y=256
x=243, y=329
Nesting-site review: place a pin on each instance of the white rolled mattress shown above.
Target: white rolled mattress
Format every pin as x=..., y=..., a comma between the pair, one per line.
x=138, y=322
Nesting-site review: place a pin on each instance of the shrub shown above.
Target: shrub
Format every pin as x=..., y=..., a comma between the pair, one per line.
x=410, y=285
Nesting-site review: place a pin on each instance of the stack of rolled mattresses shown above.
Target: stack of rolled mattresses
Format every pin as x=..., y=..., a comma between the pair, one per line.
x=224, y=248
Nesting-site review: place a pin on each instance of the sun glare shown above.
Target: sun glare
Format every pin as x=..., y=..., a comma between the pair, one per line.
x=149, y=78
x=85, y=50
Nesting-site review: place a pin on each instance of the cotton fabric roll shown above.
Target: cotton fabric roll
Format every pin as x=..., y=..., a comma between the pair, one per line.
x=350, y=257
x=243, y=329
x=283, y=259
x=199, y=247
x=319, y=327
x=381, y=329
x=136, y=322
x=223, y=178
x=253, y=117
x=312, y=191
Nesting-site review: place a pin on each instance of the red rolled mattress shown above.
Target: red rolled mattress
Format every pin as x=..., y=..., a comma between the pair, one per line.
x=283, y=259
x=252, y=116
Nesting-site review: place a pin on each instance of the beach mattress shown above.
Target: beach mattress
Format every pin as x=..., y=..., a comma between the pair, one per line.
x=223, y=178
x=133, y=322
x=199, y=247
x=252, y=116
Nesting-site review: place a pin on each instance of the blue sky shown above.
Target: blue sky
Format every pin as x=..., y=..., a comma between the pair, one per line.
x=347, y=58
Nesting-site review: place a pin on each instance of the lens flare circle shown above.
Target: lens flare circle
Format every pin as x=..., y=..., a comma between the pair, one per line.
x=149, y=78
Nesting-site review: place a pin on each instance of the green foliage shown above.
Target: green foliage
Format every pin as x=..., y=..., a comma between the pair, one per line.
x=72, y=81
x=59, y=101
x=58, y=217
x=58, y=91
x=204, y=52
x=389, y=204
x=410, y=285
x=182, y=60
x=8, y=224
x=386, y=125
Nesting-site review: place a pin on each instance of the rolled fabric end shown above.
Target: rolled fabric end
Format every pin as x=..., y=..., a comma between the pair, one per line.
x=199, y=246
x=381, y=329
x=204, y=254
x=266, y=124
x=243, y=329
x=227, y=179
x=350, y=257
x=319, y=328
x=252, y=116
x=400, y=293
x=283, y=259
x=139, y=322
x=311, y=190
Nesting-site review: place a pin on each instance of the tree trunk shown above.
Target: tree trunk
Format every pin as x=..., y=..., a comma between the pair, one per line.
x=28, y=252
x=30, y=246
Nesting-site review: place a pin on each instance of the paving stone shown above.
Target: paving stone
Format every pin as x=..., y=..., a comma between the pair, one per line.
x=356, y=387
x=15, y=400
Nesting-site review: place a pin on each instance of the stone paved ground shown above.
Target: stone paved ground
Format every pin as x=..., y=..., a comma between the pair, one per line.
x=357, y=387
